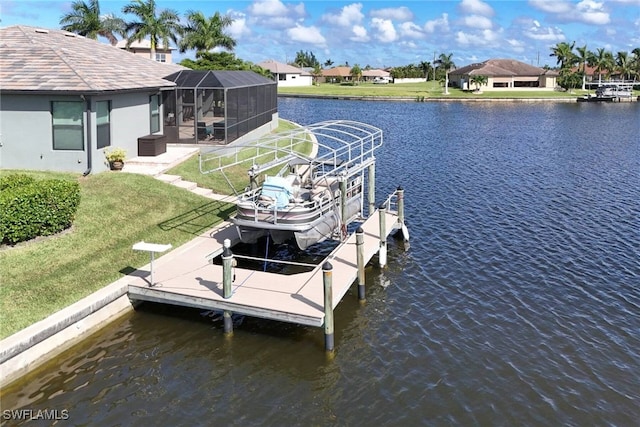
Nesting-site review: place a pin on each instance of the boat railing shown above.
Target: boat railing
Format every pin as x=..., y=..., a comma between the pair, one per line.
x=341, y=147
x=315, y=204
x=391, y=202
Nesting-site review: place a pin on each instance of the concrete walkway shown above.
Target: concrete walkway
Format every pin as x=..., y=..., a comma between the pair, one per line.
x=157, y=166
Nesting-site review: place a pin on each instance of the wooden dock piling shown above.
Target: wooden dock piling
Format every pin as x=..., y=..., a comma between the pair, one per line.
x=185, y=277
x=360, y=262
x=327, y=280
x=382, y=255
x=227, y=281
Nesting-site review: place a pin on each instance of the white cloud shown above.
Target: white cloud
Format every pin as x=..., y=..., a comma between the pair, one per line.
x=482, y=38
x=477, y=21
x=440, y=24
x=587, y=11
x=267, y=8
x=516, y=45
x=554, y=7
x=359, y=34
x=394, y=13
x=462, y=38
x=592, y=12
x=348, y=16
x=386, y=31
x=549, y=34
x=238, y=27
x=309, y=35
x=411, y=30
x=476, y=7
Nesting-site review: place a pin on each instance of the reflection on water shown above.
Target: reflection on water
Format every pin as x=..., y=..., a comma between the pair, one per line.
x=518, y=302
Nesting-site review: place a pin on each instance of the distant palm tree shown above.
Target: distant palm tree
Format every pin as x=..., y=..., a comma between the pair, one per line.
x=85, y=19
x=479, y=81
x=636, y=62
x=445, y=62
x=603, y=61
x=356, y=72
x=316, y=73
x=425, y=66
x=159, y=27
x=328, y=63
x=563, y=52
x=624, y=65
x=203, y=34
x=584, y=58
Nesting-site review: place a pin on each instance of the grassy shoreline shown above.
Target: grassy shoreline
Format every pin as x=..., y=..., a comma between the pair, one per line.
x=117, y=209
x=425, y=91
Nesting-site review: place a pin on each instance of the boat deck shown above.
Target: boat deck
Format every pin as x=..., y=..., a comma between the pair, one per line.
x=184, y=277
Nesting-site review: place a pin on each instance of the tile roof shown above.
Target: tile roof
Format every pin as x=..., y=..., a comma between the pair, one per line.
x=375, y=73
x=41, y=60
x=337, y=71
x=500, y=67
x=280, y=68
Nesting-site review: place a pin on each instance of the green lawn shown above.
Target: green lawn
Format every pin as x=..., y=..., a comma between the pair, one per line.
x=190, y=169
x=116, y=210
x=427, y=90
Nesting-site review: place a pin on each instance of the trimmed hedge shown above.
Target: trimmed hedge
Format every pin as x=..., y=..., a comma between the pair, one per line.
x=30, y=208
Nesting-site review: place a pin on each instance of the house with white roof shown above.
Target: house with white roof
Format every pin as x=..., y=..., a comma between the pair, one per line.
x=287, y=75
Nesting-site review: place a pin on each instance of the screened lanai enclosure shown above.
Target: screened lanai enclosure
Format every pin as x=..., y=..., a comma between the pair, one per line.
x=217, y=106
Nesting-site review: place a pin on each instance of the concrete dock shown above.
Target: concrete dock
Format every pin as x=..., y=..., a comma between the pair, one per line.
x=185, y=277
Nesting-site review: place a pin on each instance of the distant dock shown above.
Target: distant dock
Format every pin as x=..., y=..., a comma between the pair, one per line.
x=186, y=277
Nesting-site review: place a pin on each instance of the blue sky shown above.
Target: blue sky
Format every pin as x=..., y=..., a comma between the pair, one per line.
x=392, y=32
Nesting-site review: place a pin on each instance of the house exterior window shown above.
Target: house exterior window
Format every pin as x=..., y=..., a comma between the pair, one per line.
x=103, y=123
x=161, y=57
x=282, y=76
x=154, y=107
x=67, y=125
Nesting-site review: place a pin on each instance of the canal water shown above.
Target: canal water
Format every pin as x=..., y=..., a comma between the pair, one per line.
x=518, y=302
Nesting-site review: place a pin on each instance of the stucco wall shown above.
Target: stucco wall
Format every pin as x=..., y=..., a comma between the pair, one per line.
x=26, y=134
x=296, y=80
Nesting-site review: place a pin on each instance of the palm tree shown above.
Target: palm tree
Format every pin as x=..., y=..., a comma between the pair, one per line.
x=603, y=61
x=479, y=81
x=446, y=63
x=635, y=61
x=328, y=63
x=425, y=66
x=584, y=58
x=563, y=52
x=85, y=19
x=159, y=27
x=203, y=34
x=316, y=73
x=624, y=65
x=356, y=72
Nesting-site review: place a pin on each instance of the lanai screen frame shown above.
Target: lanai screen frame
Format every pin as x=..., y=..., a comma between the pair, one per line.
x=227, y=105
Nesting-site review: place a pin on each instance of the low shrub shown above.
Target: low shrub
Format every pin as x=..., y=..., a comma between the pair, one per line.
x=32, y=208
x=15, y=180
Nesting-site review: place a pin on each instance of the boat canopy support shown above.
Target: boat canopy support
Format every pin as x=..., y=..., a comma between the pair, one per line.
x=334, y=147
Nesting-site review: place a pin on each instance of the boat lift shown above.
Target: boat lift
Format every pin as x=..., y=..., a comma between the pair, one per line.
x=340, y=148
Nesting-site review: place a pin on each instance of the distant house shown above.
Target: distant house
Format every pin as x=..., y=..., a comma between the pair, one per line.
x=376, y=74
x=337, y=74
x=143, y=48
x=64, y=99
x=287, y=75
x=504, y=74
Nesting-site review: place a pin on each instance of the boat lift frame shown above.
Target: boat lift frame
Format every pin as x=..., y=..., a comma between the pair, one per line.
x=341, y=148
